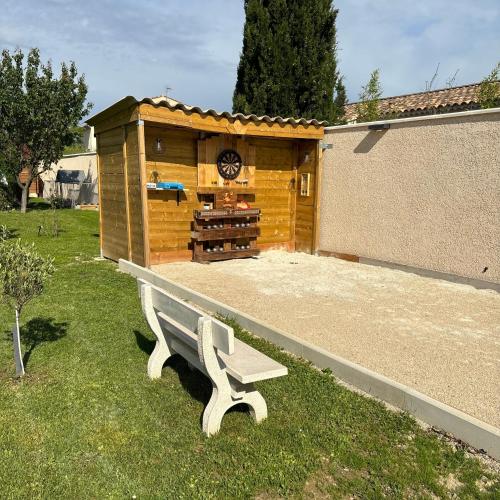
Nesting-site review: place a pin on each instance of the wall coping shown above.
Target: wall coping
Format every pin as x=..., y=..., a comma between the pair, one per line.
x=74, y=155
x=412, y=119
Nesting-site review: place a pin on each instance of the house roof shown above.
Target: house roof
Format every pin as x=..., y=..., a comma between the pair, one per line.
x=173, y=104
x=422, y=101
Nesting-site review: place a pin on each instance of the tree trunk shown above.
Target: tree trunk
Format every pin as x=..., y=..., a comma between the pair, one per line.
x=16, y=339
x=24, y=197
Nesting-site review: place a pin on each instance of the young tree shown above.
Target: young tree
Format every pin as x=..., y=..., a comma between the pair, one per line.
x=38, y=115
x=489, y=89
x=367, y=108
x=340, y=102
x=288, y=65
x=23, y=273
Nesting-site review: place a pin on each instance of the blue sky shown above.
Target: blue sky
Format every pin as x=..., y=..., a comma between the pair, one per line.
x=138, y=48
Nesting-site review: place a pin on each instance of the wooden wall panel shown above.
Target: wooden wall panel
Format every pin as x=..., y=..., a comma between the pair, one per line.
x=169, y=223
x=275, y=187
x=136, y=250
x=305, y=205
x=274, y=162
x=114, y=238
x=208, y=152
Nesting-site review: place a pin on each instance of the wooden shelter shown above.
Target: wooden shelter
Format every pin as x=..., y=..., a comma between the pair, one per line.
x=142, y=145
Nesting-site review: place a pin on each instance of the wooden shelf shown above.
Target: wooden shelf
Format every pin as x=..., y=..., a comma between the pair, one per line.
x=238, y=190
x=225, y=237
x=226, y=214
x=226, y=233
x=230, y=254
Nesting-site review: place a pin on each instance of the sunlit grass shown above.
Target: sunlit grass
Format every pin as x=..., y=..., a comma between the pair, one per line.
x=86, y=422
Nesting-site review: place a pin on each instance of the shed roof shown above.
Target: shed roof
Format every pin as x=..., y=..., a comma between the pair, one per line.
x=173, y=104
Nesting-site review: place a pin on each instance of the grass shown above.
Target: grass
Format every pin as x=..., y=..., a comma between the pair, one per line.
x=86, y=422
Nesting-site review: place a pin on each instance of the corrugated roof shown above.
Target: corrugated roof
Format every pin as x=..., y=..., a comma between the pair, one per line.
x=173, y=104
x=421, y=101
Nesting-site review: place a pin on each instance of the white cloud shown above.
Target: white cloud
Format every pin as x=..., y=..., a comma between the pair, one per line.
x=407, y=39
x=128, y=47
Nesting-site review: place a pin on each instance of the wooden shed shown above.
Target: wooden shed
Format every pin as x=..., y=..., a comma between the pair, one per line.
x=161, y=161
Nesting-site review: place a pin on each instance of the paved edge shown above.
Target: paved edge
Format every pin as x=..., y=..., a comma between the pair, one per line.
x=471, y=430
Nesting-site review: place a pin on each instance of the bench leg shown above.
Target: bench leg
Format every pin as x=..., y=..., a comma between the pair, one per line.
x=257, y=405
x=158, y=357
x=215, y=410
x=219, y=405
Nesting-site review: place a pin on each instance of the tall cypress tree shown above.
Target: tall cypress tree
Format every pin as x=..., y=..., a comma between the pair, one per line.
x=288, y=65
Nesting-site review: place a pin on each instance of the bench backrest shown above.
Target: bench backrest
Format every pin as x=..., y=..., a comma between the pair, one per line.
x=182, y=318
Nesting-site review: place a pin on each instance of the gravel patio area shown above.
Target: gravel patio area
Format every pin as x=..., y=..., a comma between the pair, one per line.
x=440, y=338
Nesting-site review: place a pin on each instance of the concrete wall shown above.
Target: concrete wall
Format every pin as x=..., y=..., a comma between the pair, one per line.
x=425, y=193
x=88, y=192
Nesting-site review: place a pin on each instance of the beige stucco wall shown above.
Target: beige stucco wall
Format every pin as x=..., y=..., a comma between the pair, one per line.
x=425, y=193
x=88, y=193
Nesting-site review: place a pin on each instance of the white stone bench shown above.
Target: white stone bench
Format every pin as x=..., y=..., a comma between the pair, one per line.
x=208, y=345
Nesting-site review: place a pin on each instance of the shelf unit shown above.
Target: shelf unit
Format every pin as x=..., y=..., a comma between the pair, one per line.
x=218, y=233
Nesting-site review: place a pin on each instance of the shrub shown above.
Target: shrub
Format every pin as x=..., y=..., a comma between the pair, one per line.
x=23, y=272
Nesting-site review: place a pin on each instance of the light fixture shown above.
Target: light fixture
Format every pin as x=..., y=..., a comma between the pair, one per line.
x=379, y=126
x=159, y=145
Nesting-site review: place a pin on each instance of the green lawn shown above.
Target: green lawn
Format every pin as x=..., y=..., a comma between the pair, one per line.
x=86, y=422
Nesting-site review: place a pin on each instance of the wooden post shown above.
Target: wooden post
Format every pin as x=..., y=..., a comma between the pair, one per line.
x=144, y=191
x=293, y=194
x=317, y=199
x=127, y=203
x=99, y=190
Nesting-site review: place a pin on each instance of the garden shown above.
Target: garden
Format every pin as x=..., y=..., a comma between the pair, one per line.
x=85, y=421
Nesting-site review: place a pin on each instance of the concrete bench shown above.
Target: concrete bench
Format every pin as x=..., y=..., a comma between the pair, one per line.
x=209, y=346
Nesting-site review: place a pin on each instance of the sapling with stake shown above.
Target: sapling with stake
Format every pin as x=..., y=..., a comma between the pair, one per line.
x=23, y=273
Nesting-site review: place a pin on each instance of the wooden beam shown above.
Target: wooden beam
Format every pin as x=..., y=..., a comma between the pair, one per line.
x=116, y=120
x=317, y=199
x=293, y=192
x=127, y=203
x=224, y=125
x=144, y=191
x=99, y=190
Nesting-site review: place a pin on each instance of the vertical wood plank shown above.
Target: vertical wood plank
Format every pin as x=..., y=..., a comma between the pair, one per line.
x=99, y=189
x=293, y=193
x=127, y=201
x=144, y=191
x=317, y=197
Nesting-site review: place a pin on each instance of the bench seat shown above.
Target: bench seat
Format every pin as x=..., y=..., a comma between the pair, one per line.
x=208, y=345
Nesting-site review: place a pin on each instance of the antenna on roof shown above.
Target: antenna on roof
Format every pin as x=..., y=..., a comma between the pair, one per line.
x=428, y=85
x=450, y=82
x=166, y=91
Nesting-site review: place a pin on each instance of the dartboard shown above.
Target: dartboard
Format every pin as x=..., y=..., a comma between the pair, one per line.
x=229, y=164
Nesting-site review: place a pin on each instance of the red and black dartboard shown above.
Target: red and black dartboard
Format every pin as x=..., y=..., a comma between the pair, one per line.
x=229, y=164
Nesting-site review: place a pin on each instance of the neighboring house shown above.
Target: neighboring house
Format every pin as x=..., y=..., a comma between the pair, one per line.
x=448, y=100
x=74, y=177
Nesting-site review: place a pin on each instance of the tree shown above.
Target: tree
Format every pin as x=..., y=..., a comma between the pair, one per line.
x=367, y=108
x=38, y=115
x=23, y=273
x=489, y=89
x=288, y=65
x=340, y=102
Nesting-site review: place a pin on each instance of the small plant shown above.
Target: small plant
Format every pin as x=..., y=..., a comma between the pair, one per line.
x=57, y=201
x=369, y=99
x=5, y=234
x=51, y=225
x=489, y=89
x=5, y=198
x=23, y=272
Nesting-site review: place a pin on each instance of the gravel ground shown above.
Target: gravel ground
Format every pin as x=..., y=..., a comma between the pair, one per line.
x=441, y=338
